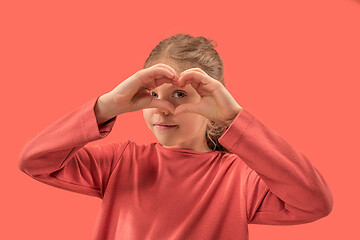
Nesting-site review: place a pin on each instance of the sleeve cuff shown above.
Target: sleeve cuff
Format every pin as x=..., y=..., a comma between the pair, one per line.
x=234, y=132
x=92, y=130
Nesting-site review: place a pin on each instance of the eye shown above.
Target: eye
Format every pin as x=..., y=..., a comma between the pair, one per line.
x=181, y=93
x=152, y=93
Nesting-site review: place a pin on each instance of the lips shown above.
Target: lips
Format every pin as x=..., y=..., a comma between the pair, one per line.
x=165, y=124
x=162, y=127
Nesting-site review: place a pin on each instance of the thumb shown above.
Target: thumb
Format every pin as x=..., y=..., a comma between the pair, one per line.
x=158, y=103
x=188, y=107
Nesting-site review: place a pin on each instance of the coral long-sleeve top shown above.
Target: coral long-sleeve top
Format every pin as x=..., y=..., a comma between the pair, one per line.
x=151, y=192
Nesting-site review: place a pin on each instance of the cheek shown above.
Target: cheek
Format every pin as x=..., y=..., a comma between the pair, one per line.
x=190, y=120
x=146, y=114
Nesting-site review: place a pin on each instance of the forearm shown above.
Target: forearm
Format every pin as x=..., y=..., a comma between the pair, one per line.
x=51, y=148
x=287, y=172
x=104, y=109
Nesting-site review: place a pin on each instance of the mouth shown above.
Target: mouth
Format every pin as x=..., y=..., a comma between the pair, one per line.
x=160, y=126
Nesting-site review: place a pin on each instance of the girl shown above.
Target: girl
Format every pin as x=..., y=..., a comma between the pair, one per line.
x=214, y=169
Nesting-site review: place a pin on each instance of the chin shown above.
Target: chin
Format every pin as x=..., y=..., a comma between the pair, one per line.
x=166, y=142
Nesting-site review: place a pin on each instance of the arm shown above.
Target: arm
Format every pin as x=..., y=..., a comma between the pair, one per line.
x=58, y=156
x=282, y=185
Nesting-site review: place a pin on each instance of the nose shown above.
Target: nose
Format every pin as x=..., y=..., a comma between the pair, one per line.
x=162, y=111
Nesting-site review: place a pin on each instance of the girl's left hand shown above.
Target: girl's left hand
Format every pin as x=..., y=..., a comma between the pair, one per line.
x=216, y=102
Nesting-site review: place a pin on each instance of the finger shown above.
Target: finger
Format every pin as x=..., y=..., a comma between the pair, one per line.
x=163, y=65
x=188, y=107
x=193, y=76
x=158, y=103
x=201, y=82
x=161, y=81
x=199, y=70
x=152, y=78
x=198, y=81
x=194, y=69
x=172, y=80
x=160, y=72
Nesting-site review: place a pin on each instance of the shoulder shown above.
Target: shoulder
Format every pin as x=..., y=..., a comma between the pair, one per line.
x=233, y=159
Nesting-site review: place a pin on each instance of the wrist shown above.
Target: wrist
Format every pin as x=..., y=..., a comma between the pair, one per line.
x=103, y=108
x=237, y=112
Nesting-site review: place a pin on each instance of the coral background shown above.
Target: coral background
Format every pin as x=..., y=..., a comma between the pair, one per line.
x=294, y=64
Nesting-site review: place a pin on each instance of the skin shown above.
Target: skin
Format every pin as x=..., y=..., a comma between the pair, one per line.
x=191, y=129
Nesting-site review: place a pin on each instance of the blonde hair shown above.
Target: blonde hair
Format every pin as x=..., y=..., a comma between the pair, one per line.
x=186, y=52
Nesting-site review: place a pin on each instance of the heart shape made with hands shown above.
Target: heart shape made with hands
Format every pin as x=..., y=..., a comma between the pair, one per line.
x=216, y=103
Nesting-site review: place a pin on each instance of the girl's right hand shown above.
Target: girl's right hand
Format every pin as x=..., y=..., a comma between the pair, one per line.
x=134, y=93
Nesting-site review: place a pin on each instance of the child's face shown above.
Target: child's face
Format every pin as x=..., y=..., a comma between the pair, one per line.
x=190, y=132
